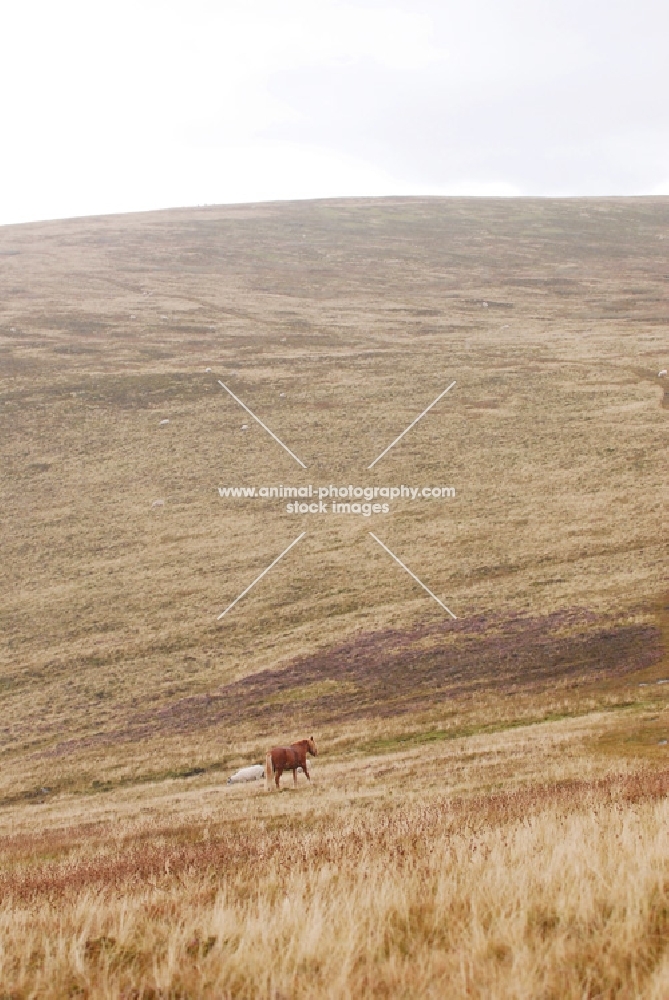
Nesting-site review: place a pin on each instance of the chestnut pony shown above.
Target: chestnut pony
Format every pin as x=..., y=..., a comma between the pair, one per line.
x=281, y=759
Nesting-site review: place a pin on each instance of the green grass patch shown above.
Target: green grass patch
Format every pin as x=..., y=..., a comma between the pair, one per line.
x=403, y=741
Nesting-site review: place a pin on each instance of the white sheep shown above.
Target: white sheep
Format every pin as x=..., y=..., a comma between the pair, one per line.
x=252, y=773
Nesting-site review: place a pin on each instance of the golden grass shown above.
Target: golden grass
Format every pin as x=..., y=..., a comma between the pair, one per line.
x=552, y=891
x=512, y=864
x=488, y=814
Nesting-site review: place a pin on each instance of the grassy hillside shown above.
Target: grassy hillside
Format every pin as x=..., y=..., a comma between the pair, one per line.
x=125, y=701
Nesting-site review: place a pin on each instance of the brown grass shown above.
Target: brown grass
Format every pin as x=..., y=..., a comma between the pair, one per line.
x=488, y=814
x=555, y=891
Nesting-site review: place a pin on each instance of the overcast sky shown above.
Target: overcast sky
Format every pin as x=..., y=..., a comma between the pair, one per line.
x=114, y=107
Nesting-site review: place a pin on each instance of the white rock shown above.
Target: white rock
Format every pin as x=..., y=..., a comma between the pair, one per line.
x=662, y=373
x=282, y=395
x=207, y=369
x=163, y=422
x=245, y=427
x=158, y=503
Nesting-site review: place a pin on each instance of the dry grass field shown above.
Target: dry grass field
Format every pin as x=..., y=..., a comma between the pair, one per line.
x=489, y=809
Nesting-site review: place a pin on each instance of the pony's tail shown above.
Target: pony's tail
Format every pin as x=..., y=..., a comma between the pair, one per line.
x=269, y=771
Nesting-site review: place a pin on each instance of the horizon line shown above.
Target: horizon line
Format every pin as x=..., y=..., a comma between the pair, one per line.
x=207, y=206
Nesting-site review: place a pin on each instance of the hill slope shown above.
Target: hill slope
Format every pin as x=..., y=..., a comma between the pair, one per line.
x=337, y=323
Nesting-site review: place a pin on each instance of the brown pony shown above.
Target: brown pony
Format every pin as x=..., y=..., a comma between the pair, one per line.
x=281, y=759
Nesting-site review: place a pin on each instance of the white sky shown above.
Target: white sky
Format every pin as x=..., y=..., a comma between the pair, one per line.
x=112, y=107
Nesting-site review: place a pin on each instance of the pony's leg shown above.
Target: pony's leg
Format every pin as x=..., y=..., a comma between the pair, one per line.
x=306, y=771
x=277, y=776
x=295, y=777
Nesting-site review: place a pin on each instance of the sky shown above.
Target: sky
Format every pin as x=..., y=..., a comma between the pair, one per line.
x=130, y=106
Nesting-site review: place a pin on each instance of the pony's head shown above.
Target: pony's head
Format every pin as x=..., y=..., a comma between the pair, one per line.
x=311, y=747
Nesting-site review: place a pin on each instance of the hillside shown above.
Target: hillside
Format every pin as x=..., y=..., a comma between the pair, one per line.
x=337, y=323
